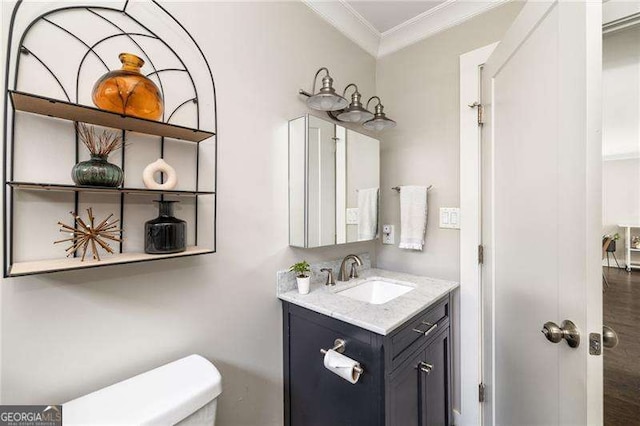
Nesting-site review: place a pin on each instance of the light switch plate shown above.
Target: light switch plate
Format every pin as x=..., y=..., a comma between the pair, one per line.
x=450, y=217
x=388, y=234
x=353, y=216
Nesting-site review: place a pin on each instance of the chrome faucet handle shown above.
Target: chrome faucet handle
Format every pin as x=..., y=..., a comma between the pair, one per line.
x=354, y=270
x=330, y=280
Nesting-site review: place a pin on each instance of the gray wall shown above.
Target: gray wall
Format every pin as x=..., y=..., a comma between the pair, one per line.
x=67, y=334
x=420, y=88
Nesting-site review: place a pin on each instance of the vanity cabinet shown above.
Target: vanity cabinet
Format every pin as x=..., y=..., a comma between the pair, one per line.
x=406, y=379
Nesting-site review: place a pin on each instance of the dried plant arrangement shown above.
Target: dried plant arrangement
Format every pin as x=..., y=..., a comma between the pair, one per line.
x=88, y=236
x=99, y=143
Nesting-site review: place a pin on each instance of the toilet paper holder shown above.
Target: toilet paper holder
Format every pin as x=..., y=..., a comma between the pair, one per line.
x=339, y=346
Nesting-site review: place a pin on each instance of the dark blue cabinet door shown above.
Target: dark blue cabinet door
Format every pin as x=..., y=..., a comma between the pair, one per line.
x=420, y=397
x=436, y=390
x=319, y=397
x=405, y=392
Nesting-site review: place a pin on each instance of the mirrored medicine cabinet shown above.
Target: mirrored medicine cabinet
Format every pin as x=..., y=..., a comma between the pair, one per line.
x=334, y=181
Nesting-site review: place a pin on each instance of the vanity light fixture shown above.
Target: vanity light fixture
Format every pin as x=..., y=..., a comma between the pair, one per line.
x=338, y=108
x=355, y=112
x=380, y=120
x=326, y=99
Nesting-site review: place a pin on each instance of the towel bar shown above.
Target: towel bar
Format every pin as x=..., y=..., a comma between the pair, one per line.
x=397, y=188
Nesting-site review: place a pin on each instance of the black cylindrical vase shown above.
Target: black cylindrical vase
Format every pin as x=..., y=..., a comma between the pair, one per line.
x=166, y=233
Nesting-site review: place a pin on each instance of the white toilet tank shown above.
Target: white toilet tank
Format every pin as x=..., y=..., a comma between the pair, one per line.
x=182, y=392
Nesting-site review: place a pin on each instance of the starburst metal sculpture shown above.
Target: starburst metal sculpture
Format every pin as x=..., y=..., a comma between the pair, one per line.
x=88, y=236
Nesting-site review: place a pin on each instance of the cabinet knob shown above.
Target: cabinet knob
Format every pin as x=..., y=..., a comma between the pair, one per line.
x=425, y=367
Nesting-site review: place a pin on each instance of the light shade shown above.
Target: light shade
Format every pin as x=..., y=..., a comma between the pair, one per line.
x=379, y=123
x=326, y=99
x=380, y=120
x=327, y=102
x=355, y=112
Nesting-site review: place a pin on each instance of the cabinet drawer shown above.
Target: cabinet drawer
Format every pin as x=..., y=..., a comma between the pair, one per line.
x=416, y=331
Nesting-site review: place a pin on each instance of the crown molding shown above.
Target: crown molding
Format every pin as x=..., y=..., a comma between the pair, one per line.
x=349, y=22
x=618, y=15
x=431, y=22
x=353, y=25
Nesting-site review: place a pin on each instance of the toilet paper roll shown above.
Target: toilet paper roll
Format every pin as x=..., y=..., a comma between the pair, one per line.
x=341, y=365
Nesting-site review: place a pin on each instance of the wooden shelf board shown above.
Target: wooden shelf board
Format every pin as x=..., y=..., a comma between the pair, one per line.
x=67, y=264
x=633, y=249
x=41, y=105
x=36, y=186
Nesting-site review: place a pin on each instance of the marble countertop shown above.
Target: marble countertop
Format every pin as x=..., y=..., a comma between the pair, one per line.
x=381, y=319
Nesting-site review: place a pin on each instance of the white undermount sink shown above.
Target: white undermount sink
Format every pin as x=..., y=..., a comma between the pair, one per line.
x=376, y=291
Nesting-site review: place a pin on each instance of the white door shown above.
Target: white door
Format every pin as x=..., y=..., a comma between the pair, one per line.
x=542, y=216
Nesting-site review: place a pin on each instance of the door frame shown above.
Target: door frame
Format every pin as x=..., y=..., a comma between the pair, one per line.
x=470, y=337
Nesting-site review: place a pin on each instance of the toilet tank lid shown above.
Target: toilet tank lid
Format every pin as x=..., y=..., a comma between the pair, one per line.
x=164, y=395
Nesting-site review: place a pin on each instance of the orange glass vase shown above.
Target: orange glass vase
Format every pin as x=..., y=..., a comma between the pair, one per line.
x=127, y=91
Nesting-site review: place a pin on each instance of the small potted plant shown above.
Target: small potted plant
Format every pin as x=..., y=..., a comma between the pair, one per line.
x=302, y=270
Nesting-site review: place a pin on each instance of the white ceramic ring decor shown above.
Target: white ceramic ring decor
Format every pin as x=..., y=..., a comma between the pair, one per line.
x=171, y=178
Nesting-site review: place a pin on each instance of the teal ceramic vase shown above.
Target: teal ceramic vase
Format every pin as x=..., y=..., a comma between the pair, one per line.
x=97, y=172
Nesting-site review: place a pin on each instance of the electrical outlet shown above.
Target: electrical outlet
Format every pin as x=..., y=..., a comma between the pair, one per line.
x=388, y=234
x=450, y=217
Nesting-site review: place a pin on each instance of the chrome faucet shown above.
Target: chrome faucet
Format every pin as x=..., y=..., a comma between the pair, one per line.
x=342, y=276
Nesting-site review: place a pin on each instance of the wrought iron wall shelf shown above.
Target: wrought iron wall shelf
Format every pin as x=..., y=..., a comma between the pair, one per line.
x=86, y=39
x=35, y=186
x=42, y=105
x=67, y=264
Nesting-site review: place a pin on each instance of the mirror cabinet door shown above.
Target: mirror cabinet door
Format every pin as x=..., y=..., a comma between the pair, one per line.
x=334, y=179
x=362, y=187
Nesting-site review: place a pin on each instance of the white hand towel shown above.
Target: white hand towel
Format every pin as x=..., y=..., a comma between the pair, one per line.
x=368, y=214
x=413, y=217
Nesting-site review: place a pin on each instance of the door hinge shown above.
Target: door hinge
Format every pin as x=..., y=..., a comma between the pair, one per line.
x=481, y=392
x=481, y=254
x=480, y=110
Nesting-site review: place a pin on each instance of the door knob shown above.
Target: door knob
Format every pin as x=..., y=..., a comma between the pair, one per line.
x=609, y=337
x=567, y=331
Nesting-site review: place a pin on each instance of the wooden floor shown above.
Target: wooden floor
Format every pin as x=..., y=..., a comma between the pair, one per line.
x=622, y=364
